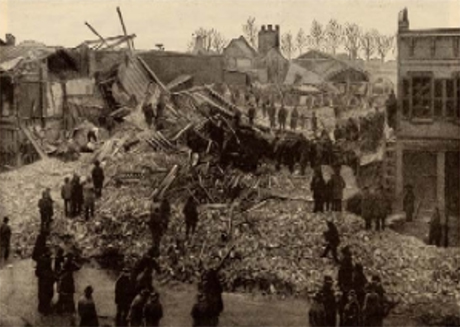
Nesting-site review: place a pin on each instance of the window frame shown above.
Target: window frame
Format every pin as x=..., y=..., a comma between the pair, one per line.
x=421, y=74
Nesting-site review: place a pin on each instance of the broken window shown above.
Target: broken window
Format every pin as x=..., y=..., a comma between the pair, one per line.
x=421, y=97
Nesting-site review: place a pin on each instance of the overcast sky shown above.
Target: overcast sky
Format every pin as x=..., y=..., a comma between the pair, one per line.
x=172, y=22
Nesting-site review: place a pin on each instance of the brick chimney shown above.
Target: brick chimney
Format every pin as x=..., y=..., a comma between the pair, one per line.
x=403, y=20
x=10, y=39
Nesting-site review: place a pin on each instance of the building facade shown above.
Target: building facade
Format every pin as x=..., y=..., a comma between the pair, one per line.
x=428, y=127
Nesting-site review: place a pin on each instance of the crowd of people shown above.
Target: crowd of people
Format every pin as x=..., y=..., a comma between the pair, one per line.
x=359, y=302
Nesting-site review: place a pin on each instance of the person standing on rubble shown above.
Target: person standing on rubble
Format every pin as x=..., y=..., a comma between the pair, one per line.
x=190, y=212
x=76, y=196
x=282, y=115
x=45, y=205
x=318, y=187
x=367, y=207
x=383, y=206
x=251, y=114
x=124, y=294
x=332, y=238
x=294, y=118
x=314, y=123
x=66, y=195
x=5, y=240
x=87, y=309
x=409, y=202
x=98, y=177
x=272, y=114
x=89, y=199
x=155, y=224
x=338, y=185
x=153, y=310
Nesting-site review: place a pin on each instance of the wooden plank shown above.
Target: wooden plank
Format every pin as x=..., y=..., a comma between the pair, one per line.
x=153, y=75
x=36, y=146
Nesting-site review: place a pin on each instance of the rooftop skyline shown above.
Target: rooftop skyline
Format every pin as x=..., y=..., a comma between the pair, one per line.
x=172, y=22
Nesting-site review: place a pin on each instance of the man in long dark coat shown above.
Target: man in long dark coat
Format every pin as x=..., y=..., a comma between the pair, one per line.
x=5, y=240
x=191, y=216
x=331, y=236
x=409, y=203
x=77, y=196
x=87, y=309
x=318, y=188
x=153, y=310
x=329, y=302
x=124, y=294
x=98, y=177
x=45, y=276
x=45, y=205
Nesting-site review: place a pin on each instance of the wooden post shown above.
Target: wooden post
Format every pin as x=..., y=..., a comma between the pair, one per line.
x=97, y=34
x=129, y=42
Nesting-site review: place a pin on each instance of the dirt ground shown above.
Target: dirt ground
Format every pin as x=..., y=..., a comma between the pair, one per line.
x=18, y=298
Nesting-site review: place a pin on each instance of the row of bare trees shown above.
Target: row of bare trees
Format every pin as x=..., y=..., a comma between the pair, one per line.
x=213, y=40
x=329, y=38
x=334, y=36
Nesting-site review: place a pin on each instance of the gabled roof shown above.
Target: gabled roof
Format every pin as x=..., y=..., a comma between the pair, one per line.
x=326, y=65
x=8, y=53
x=306, y=76
x=243, y=45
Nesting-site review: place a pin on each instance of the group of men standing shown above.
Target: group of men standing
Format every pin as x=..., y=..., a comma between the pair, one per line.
x=360, y=303
x=327, y=196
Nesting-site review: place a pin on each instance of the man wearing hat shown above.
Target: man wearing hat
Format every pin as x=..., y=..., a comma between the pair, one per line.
x=317, y=314
x=352, y=312
x=153, y=310
x=373, y=305
x=329, y=302
x=87, y=309
x=5, y=239
x=124, y=294
x=202, y=312
x=45, y=206
x=66, y=195
x=409, y=202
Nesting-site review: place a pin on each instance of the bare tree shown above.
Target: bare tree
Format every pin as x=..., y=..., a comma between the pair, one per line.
x=383, y=44
x=316, y=35
x=287, y=44
x=301, y=41
x=250, y=30
x=212, y=40
x=218, y=42
x=333, y=35
x=351, y=35
x=367, y=42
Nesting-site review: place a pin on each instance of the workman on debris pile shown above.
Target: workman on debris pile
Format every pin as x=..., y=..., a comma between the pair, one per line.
x=98, y=177
x=156, y=224
x=5, y=240
x=435, y=233
x=251, y=114
x=66, y=195
x=45, y=205
x=345, y=278
x=331, y=236
x=76, y=201
x=190, y=212
x=318, y=188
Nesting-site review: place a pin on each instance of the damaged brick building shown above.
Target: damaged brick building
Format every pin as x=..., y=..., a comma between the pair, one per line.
x=428, y=132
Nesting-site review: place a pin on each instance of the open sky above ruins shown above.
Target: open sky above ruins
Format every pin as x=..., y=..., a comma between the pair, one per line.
x=172, y=22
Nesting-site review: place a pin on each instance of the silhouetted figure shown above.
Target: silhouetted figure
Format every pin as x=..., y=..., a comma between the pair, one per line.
x=87, y=309
x=331, y=236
